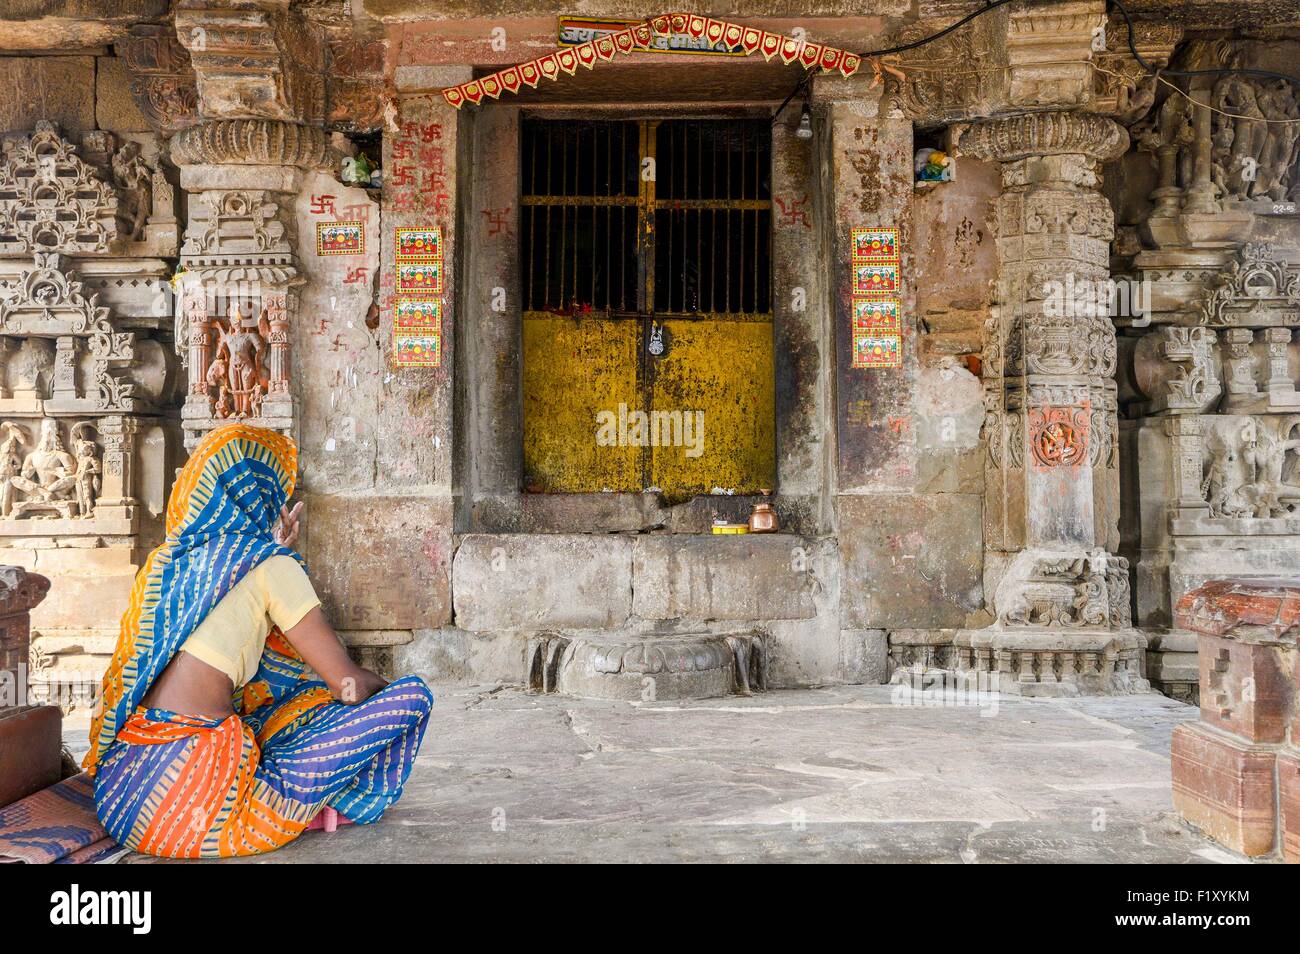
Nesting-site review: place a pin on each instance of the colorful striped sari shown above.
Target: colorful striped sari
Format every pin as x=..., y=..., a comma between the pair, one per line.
x=182, y=786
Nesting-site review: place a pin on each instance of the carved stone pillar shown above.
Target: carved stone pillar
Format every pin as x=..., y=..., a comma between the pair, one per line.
x=277, y=314
x=117, y=438
x=240, y=268
x=260, y=77
x=1052, y=475
x=199, y=336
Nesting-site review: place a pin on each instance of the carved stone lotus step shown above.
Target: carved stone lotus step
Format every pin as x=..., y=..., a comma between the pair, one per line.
x=647, y=668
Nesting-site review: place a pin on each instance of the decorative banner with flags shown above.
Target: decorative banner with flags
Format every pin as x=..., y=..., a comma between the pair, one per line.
x=642, y=36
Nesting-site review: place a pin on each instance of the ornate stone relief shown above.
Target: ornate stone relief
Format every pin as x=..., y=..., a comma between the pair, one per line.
x=163, y=82
x=233, y=327
x=50, y=199
x=1065, y=590
x=255, y=63
x=1251, y=159
x=1122, y=87
x=1213, y=421
x=1257, y=287
x=49, y=480
x=1249, y=466
x=89, y=368
x=83, y=373
x=929, y=93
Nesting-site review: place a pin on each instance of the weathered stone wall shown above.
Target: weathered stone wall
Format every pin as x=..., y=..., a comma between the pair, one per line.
x=917, y=522
x=111, y=416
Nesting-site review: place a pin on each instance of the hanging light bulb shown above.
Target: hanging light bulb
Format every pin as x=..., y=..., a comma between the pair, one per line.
x=805, y=124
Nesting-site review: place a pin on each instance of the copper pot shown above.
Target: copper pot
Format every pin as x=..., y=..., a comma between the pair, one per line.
x=762, y=519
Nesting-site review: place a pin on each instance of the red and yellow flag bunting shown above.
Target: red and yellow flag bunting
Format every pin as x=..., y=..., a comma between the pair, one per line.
x=640, y=36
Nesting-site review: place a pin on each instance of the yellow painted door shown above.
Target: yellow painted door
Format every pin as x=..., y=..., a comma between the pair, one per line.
x=664, y=382
x=720, y=374
x=575, y=369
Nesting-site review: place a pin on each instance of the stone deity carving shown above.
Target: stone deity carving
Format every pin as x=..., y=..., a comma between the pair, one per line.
x=238, y=369
x=49, y=474
x=11, y=465
x=1224, y=484
x=136, y=180
x=1270, y=452
x=88, y=469
x=1253, y=151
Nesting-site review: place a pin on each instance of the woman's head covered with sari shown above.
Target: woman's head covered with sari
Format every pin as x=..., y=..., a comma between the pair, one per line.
x=221, y=520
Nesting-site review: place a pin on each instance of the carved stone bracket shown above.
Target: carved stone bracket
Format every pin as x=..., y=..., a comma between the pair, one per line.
x=1176, y=368
x=163, y=84
x=254, y=63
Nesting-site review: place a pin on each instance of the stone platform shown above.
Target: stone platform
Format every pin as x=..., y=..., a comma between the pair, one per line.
x=1236, y=772
x=845, y=774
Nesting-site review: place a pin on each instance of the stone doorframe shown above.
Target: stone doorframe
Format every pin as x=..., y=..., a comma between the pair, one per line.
x=489, y=413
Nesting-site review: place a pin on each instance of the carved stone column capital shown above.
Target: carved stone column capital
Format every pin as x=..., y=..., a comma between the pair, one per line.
x=1056, y=133
x=263, y=142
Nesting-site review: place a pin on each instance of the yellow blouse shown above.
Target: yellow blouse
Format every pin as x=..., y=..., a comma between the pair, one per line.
x=232, y=635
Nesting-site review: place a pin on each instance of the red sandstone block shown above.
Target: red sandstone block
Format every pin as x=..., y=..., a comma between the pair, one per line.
x=31, y=751
x=1222, y=606
x=1225, y=787
x=1247, y=688
x=1288, y=777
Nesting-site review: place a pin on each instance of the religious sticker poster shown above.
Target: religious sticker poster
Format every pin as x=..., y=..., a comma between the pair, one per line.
x=417, y=350
x=875, y=315
x=418, y=244
x=877, y=351
x=419, y=278
x=417, y=313
x=875, y=279
x=340, y=238
x=875, y=246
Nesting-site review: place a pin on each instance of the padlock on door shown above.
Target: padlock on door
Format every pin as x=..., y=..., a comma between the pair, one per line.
x=655, y=345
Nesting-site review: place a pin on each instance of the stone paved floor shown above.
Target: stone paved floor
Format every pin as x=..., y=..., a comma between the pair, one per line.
x=837, y=774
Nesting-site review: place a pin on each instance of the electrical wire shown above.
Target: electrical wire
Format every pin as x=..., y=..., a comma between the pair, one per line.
x=1158, y=74
x=1132, y=48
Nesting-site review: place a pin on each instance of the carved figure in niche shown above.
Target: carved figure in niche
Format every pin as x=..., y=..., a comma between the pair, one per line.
x=1235, y=94
x=1278, y=156
x=241, y=353
x=1175, y=129
x=1253, y=153
x=1224, y=486
x=11, y=465
x=1269, y=452
x=49, y=474
x=217, y=377
x=88, y=469
x=136, y=180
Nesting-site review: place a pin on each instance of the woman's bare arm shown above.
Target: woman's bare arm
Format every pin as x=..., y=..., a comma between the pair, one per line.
x=317, y=643
x=319, y=646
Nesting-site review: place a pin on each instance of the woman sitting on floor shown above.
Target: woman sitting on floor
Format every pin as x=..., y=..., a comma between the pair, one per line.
x=212, y=737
